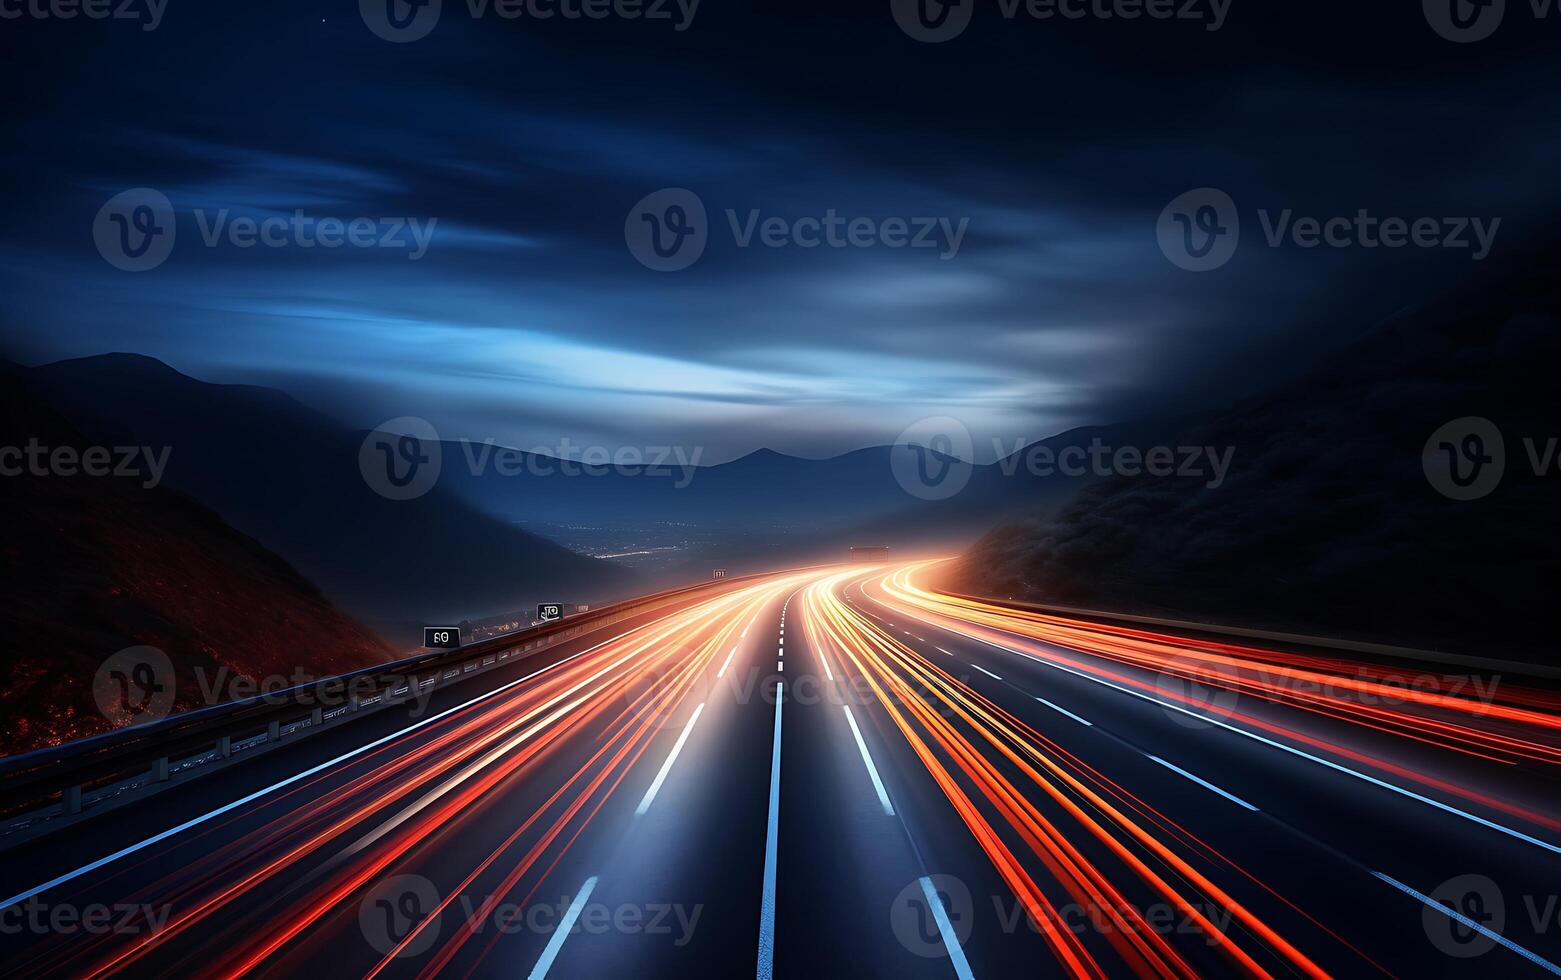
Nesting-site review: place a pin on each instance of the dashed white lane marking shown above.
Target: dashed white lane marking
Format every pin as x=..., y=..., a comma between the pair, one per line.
x=950, y=941
x=567, y=923
x=1319, y=760
x=780, y=665
x=666, y=767
x=1205, y=784
x=1061, y=710
x=872, y=770
x=722, y=671
x=1469, y=923
x=986, y=672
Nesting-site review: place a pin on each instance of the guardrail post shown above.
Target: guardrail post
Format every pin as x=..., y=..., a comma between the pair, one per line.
x=224, y=746
x=160, y=770
x=71, y=800
x=274, y=731
x=316, y=717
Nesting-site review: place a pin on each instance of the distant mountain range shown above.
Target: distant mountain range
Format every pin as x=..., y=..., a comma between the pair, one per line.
x=95, y=564
x=1331, y=521
x=768, y=508
x=290, y=477
x=484, y=539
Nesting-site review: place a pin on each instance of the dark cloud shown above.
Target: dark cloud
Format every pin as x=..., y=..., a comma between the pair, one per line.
x=530, y=140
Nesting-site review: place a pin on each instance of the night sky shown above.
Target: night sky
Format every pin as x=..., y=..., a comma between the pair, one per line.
x=529, y=141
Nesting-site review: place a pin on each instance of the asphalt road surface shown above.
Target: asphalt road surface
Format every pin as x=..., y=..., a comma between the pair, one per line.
x=844, y=772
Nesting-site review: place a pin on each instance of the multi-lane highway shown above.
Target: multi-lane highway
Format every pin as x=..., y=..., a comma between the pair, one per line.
x=845, y=772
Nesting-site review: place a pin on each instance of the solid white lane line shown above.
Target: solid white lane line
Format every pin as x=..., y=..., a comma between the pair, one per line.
x=950, y=941
x=1220, y=723
x=872, y=770
x=666, y=767
x=1205, y=784
x=722, y=671
x=539, y=972
x=986, y=672
x=1065, y=711
x=1469, y=923
x=771, y=846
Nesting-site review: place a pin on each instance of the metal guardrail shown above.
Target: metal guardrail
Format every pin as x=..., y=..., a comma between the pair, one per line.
x=51, y=788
